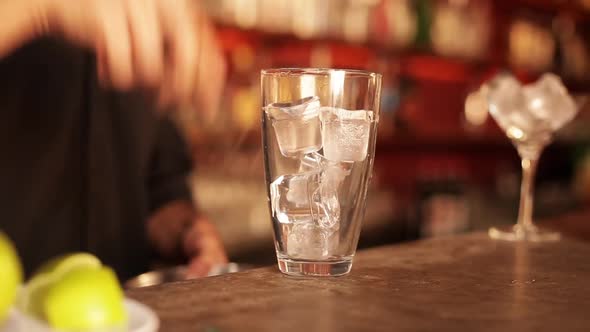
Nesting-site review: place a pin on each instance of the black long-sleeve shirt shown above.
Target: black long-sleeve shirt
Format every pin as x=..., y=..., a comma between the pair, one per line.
x=81, y=168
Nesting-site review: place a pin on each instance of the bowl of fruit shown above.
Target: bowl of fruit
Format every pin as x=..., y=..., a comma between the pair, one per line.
x=74, y=292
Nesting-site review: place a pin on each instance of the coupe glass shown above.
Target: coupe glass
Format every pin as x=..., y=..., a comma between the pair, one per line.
x=529, y=115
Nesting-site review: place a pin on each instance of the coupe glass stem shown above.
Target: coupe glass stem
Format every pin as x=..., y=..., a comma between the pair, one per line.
x=528, y=163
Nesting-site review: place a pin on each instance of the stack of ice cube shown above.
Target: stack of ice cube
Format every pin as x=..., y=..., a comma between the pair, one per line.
x=307, y=203
x=531, y=110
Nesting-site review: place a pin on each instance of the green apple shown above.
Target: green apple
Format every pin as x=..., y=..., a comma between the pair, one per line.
x=33, y=296
x=85, y=298
x=74, y=292
x=62, y=264
x=11, y=275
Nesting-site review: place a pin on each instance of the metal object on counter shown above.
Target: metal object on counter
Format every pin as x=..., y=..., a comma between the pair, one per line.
x=179, y=273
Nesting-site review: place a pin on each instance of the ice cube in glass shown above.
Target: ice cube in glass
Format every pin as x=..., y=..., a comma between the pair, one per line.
x=291, y=196
x=311, y=242
x=303, y=197
x=345, y=133
x=297, y=126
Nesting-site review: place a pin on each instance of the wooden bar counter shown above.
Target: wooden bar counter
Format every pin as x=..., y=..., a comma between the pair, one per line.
x=462, y=283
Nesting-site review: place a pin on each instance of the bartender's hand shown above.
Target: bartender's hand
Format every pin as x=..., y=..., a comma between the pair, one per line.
x=167, y=46
x=176, y=230
x=203, y=245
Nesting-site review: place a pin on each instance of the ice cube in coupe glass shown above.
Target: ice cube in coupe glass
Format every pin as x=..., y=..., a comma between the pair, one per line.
x=508, y=105
x=345, y=134
x=550, y=101
x=297, y=126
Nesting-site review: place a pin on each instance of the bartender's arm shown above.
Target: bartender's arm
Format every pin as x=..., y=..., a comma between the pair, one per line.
x=153, y=44
x=176, y=228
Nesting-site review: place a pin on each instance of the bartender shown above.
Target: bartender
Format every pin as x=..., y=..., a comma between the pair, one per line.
x=88, y=160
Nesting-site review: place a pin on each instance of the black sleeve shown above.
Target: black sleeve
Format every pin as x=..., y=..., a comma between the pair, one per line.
x=170, y=167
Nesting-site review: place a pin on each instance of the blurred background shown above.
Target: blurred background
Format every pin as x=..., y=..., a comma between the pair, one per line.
x=440, y=169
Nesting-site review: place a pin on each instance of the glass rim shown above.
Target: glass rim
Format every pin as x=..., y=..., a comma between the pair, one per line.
x=294, y=71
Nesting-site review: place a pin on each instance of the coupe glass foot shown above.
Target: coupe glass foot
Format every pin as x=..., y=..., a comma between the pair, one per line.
x=520, y=233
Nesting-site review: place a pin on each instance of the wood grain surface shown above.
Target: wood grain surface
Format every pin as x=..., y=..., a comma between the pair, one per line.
x=462, y=283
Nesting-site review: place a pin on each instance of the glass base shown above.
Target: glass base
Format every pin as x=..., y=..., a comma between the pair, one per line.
x=519, y=233
x=314, y=268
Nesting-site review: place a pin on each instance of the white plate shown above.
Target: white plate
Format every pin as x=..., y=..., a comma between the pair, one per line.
x=11, y=323
x=141, y=319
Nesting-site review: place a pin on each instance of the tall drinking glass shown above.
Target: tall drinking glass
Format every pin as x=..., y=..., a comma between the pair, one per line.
x=319, y=128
